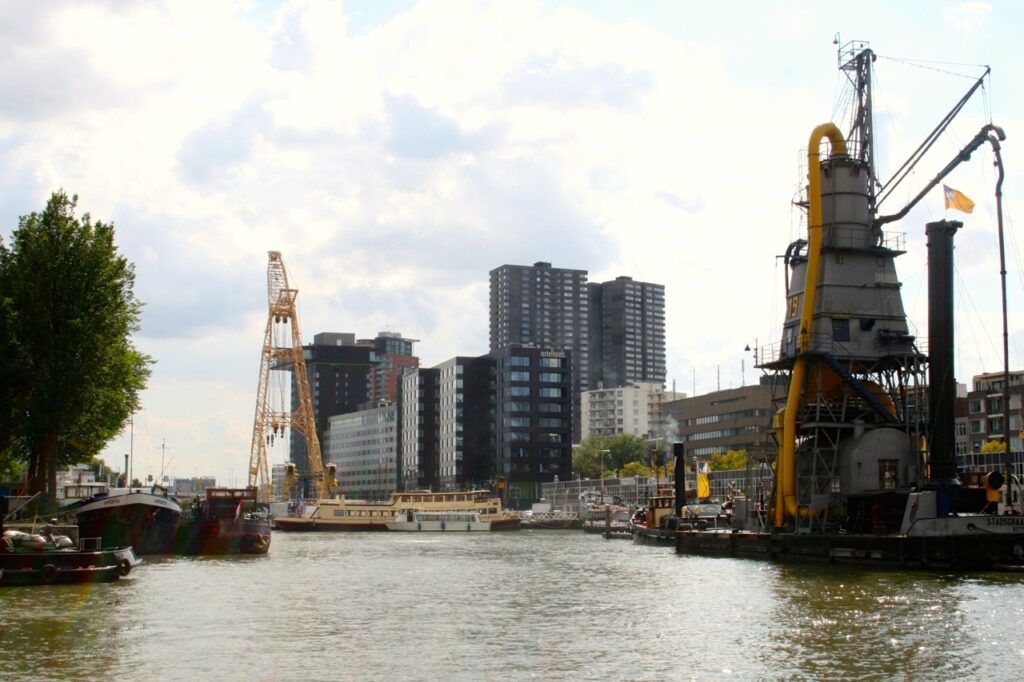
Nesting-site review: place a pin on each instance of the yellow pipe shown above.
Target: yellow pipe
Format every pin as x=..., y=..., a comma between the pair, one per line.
x=785, y=500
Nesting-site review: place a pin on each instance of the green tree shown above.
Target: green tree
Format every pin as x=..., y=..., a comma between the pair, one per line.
x=607, y=453
x=730, y=460
x=634, y=469
x=70, y=309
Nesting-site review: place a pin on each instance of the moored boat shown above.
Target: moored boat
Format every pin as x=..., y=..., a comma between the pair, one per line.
x=144, y=520
x=48, y=558
x=443, y=522
x=227, y=521
x=342, y=514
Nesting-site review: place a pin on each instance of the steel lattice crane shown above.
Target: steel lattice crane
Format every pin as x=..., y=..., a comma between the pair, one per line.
x=282, y=351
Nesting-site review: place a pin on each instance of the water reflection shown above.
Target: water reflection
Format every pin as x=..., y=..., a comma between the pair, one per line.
x=530, y=605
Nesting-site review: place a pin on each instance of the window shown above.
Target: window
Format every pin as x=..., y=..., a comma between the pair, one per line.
x=841, y=330
x=518, y=376
x=887, y=474
x=549, y=392
x=550, y=377
x=519, y=361
x=520, y=390
x=550, y=407
x=552, y=362
x=551, y=422
x=974, y=406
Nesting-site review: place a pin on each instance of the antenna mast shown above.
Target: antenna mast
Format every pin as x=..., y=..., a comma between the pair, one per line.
x=283, y=352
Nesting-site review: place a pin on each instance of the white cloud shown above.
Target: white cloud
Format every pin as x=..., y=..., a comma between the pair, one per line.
x=394, y=167
x=968, y=16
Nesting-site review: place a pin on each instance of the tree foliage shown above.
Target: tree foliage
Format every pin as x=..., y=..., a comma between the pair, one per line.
x=727, y=461
x=991, y=446
x=608, y=453
x=69, y=311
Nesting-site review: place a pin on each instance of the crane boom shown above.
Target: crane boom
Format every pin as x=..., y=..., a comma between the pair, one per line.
x=282, y=351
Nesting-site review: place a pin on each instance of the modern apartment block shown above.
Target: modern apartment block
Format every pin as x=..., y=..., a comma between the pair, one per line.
x=532, y=425
x=465, y=452
x=636, y=409
x=363, y=445
x=417, y=429
x=544, y=307
x=627, y=333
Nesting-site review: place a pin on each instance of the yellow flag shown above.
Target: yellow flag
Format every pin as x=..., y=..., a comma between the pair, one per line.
x=957, y=200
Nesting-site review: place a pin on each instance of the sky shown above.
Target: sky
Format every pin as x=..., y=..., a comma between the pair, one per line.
x=396, y=152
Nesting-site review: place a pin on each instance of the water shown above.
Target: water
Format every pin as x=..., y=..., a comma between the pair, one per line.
x=544, y=605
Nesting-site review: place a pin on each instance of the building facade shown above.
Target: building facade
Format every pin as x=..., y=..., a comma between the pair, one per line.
x=465, y=450
x=417, y=430
x=545, y=307
x=733, y=419
x=991, y=409
x=392, y=357
x=363, y=446
x=338, y=371
x=532, y=419
x=627, y=333
x=636, y=409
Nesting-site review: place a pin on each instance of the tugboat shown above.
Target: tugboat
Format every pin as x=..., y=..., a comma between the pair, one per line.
x=49, y=558
x=865, y=471
x=228, y=521
x=131, y=517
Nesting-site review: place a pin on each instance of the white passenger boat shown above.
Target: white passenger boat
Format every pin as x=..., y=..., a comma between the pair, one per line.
x=447, y=522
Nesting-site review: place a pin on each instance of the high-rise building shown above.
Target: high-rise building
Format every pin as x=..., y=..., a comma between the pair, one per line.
x=543, y=307
x=627, y=333
x=532, y=419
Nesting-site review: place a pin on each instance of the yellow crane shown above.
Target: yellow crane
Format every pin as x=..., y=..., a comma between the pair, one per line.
x=282, y=352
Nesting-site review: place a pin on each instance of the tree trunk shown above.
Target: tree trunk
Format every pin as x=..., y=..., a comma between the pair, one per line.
x=42, y=471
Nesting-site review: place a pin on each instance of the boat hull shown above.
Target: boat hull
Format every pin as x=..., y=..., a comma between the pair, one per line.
x=145, y=522
x=975, y=551
x=440, y=526
x=223, y=536
x=61, y=567
x=292, y=524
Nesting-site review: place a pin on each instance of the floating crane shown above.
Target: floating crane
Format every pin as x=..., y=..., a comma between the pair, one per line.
x=282, y=351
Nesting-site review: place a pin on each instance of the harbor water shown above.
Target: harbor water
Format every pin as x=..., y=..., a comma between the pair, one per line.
x=529, y=605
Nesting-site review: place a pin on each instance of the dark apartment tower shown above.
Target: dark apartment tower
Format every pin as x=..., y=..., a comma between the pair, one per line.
x=417, y=429
x=627, y=333
x=544, y=307
x=533, y=401
x=338, y=372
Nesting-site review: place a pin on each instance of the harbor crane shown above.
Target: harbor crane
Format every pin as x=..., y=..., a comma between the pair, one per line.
x=282, y=352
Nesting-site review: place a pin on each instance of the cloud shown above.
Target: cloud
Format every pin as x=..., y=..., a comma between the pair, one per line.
x=968, y=16
x=394, y=167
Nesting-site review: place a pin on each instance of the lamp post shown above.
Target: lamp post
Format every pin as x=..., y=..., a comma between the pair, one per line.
x=602, y=472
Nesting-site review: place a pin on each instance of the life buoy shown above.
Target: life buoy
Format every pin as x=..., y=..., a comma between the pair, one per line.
x=48, y=573
x=124, y=567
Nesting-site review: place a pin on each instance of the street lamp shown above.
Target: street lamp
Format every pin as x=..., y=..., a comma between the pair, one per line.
x=602, y=473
